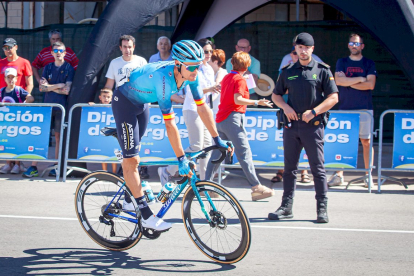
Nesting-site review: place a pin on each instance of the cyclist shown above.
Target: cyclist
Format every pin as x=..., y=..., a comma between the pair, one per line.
x=158, y=82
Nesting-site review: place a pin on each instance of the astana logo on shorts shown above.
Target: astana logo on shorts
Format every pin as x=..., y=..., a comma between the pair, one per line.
x=131, y=136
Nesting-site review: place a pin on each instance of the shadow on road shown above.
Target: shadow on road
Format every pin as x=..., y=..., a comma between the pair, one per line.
x=84, y=261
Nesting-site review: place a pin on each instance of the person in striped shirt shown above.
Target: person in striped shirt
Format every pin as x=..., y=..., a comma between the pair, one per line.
x=45, y=56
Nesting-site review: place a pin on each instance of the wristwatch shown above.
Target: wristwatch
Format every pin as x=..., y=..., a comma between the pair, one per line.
x=256, y=103
x=314, y=112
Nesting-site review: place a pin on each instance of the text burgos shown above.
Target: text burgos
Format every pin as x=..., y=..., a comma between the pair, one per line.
x=26, y=117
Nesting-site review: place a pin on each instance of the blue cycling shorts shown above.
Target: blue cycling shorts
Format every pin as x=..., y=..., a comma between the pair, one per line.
x=131, y=123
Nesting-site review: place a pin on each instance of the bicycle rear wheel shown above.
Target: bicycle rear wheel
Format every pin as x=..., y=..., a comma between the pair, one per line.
x=93, y=194
x=227, y=239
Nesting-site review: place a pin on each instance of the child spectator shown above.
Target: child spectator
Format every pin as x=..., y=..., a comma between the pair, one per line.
x=13, y=94
x=230, y=121
x=105, y=97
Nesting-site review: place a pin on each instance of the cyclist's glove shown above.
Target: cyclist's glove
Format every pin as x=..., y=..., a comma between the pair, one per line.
x=183, y=165
x=222, y=143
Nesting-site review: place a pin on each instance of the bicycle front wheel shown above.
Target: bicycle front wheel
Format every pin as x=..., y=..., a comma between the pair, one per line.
x=227, y=238
x=98, y=202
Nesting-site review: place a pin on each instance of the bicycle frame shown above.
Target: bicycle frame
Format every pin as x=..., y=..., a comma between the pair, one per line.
x=168, y=203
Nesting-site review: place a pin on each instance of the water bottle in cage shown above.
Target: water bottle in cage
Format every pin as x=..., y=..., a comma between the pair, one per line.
x=149, y=195
x=166, y=191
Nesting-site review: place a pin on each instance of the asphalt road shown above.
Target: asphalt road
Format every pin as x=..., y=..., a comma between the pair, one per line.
x=368, y=234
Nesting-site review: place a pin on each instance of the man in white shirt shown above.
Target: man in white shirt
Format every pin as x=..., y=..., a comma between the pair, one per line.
x=120, y=68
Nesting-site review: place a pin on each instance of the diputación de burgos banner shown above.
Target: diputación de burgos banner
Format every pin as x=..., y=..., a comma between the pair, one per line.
x=24, y=132
x=155, y=145
x=266, y=141
x=403, y=153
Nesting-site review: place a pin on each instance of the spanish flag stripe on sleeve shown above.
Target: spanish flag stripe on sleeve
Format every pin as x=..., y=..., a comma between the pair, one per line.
x=169, y=116
x=200, y=101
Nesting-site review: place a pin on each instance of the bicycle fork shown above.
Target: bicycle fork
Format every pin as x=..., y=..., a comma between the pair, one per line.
x=200, y=201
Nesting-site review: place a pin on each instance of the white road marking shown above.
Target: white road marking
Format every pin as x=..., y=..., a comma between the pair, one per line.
x=252, y=226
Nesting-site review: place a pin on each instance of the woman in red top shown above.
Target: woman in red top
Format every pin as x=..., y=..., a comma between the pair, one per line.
x=230, y=122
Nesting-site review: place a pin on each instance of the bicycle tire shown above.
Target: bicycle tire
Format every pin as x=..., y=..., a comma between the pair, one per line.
x=235, y=225
x=93, y=194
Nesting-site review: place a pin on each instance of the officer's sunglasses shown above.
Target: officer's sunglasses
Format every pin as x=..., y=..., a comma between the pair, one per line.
x=58, y=51
x=352, y=44
x=191, y=68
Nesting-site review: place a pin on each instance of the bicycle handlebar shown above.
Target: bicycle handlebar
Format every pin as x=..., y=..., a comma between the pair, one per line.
x=223, y=152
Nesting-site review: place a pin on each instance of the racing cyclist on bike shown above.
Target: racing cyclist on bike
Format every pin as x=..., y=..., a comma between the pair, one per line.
x=158, y=82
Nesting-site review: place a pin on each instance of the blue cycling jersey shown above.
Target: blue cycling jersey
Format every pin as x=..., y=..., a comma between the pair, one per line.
x=155, y=82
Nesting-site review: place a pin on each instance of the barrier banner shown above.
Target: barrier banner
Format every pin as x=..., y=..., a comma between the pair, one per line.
x=155, y=145
x=403, y=151
x=341, y=140
x=266, y=141
x=24, y=132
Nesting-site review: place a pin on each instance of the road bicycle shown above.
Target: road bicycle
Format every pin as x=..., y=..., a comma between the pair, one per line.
x=213, y=217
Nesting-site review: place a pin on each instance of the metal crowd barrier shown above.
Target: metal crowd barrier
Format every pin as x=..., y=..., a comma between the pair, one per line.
x=59, y=159
x=368, y=171
x=383, y=178
x=67, y=168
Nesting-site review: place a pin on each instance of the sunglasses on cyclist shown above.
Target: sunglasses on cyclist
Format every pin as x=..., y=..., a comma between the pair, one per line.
x=191, y=68
x=208, y=51
x=7, y=48
x=357, y=44
x=58, y=51
x=294, y=53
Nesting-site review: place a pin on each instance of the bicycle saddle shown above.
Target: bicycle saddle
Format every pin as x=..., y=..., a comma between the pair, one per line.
x=109, y=131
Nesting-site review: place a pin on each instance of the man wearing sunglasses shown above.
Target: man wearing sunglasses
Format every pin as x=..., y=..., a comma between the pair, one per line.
x=45, y=57
x=56, y=81
x=12, y=60
x=150, y=83
x=356, y=76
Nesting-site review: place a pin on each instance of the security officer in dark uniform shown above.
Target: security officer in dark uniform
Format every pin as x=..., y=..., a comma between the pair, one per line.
x=312, y=92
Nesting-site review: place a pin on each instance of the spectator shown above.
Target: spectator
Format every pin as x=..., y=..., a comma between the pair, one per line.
x=45, y=56
x=22, y=66
x=120, y=69
x=164, y=50
x=198, y=135
x=356, y=76
x=217, y=61
x=105, y=97
x=293, y=59
x=230, y=123
x=56, y=81
x=13, y=94
x=164, y=54
x=254, y=68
